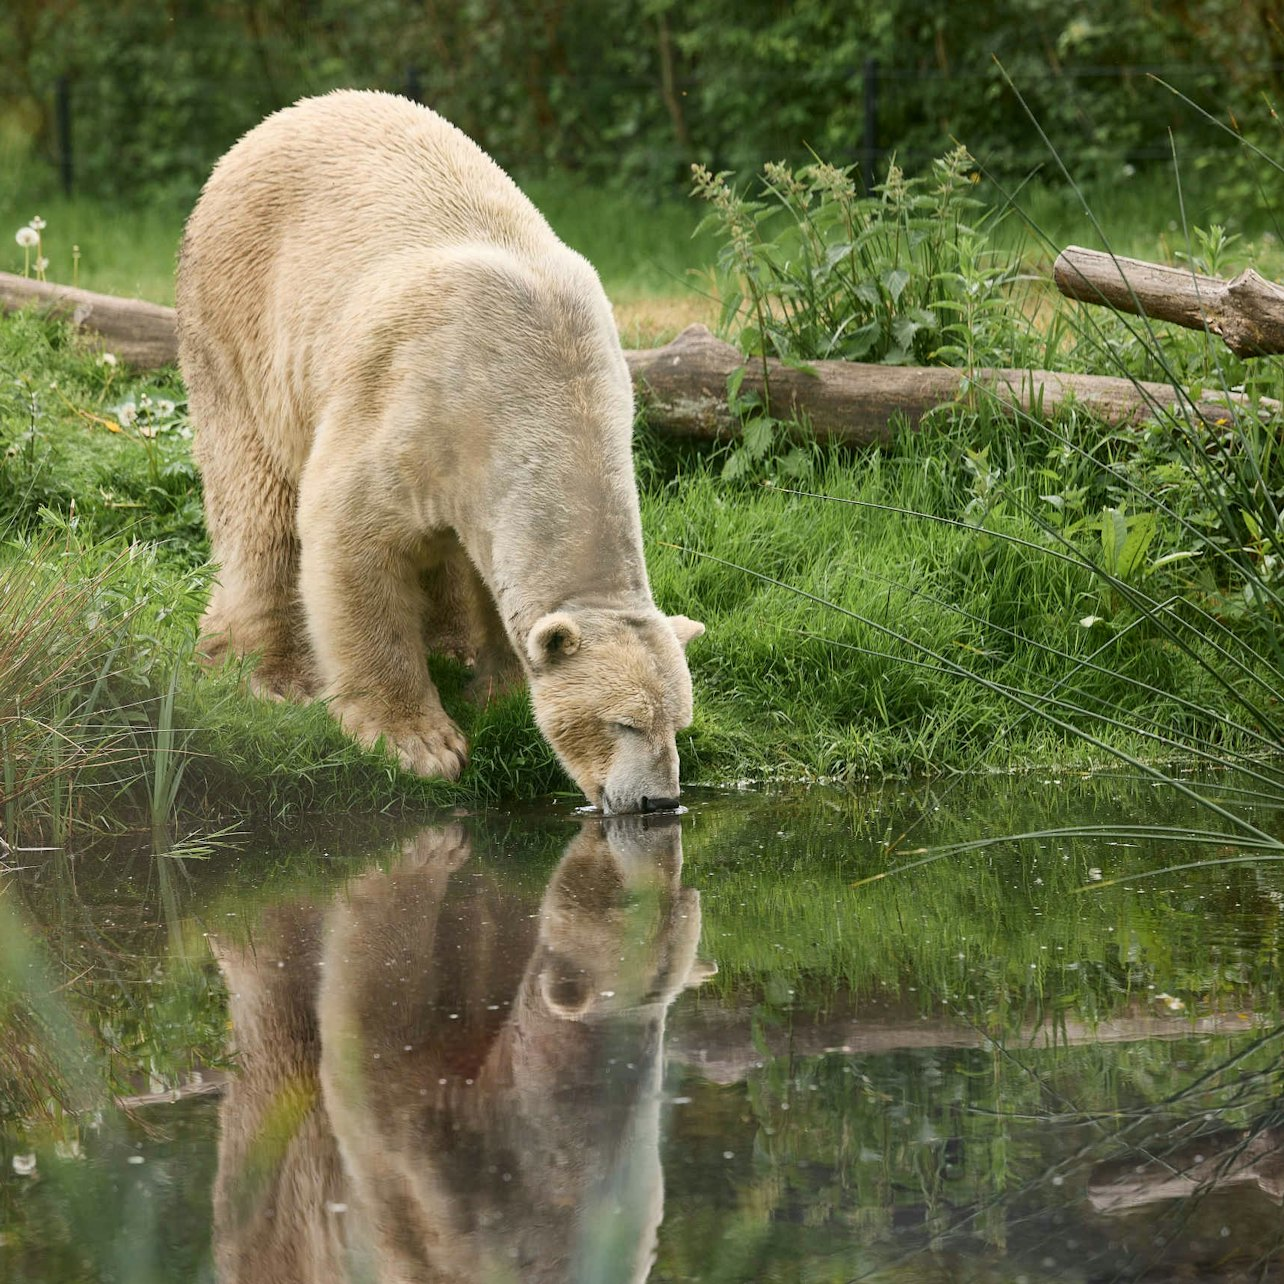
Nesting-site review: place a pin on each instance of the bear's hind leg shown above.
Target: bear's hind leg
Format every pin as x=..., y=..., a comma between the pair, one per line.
x=496, y=668
x=462, y=621
x=362, y=592
x=253, y=608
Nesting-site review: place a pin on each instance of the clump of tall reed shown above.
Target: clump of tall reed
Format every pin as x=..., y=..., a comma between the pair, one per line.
x=86, y=684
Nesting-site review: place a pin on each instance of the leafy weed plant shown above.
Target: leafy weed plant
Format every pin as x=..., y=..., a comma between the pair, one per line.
x=811, y=269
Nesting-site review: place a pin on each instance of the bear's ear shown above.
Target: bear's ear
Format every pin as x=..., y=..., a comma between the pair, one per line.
x=685, y=629
x=567, y=994
x=553, y=635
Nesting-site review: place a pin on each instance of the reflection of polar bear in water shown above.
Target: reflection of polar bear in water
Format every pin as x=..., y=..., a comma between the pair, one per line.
x=437, y=1084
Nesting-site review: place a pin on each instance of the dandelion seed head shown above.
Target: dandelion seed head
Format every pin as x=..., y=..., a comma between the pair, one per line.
x=37, y=224
x=27, y=237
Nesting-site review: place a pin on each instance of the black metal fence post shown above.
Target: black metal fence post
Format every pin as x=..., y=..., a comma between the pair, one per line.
x=414, y=89
x=62, y=115
x=869, y=140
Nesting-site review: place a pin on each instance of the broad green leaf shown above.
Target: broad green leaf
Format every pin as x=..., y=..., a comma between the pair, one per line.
x=757, y=437
x=895, y=280
x=1141, y=531
x=867, y=293
x=1114, y=535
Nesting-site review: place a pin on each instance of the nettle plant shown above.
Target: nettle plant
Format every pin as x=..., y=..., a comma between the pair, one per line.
x=811, y=269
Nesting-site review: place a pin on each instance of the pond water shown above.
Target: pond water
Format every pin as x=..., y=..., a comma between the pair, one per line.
x=767, y=1040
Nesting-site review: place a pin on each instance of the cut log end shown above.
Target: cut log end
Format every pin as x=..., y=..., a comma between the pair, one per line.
x=1247, y=313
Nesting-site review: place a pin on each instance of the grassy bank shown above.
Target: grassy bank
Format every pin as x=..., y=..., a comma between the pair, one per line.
x=841, y=629
x=982, y=594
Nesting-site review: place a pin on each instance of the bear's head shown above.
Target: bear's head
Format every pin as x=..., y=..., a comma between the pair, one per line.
x=618, y=932
x=611, y=690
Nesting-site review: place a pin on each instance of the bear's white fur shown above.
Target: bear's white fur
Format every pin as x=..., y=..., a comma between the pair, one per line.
x=413, y=423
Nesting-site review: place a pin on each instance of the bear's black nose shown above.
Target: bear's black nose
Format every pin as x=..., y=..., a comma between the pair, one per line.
x=659, y=804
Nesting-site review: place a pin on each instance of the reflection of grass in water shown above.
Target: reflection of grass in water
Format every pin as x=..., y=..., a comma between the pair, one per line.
x=925, y=1165
x=111, y=1002
x=50, y=1066
x=781, y=917
x=1002, y=932
x=123, y=937
x=936, y=1135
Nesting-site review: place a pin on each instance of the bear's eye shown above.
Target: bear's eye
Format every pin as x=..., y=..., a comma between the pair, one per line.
x=629, y=727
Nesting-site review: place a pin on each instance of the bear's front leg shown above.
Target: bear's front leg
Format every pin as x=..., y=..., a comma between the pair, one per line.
x=360, y=580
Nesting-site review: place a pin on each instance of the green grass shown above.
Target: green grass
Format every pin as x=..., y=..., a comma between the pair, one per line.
x=977, y=595
x=642, y=246
x=855, y=660
x=1139, y=215
x=859, y=666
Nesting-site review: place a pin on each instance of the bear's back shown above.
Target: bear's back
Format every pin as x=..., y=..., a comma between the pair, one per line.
x=371, y=172
x=331, y=227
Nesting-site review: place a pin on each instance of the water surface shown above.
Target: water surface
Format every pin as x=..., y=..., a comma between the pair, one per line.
x=533, y=1046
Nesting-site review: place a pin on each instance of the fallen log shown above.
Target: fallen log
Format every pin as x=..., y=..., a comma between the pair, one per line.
x=684, y=387
x=726, y=1044
x=140, y=333
x=1247, y=313
x=684, y=384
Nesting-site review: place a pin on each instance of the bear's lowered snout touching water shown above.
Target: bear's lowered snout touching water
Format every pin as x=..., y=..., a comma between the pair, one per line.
x=414, y=421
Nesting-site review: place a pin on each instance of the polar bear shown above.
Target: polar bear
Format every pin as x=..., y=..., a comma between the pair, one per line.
x=443, y=1077
x=414, y=419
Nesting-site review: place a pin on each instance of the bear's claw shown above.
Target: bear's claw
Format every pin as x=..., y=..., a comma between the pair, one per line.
x=282, y=684
x=428, y=745
x=429, y=749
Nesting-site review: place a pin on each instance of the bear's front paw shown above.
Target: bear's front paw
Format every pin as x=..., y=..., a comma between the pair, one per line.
x=429, y=744
x=429, y=747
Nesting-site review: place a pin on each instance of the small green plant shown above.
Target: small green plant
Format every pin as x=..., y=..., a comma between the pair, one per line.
x=767, y=447
x=1208, y=253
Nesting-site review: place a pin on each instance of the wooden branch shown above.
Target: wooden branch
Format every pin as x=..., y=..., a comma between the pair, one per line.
x=142, y=334
x=1246, y=313
x=684, y=383
x=684, y=386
